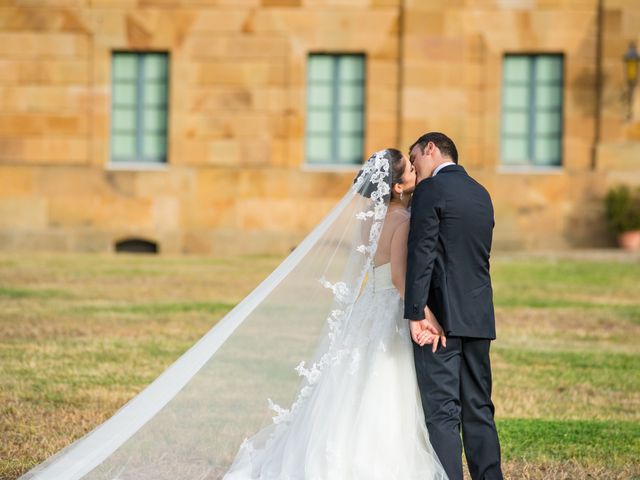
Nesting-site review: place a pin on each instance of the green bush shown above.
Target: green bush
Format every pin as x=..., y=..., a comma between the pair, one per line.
x=622, y=206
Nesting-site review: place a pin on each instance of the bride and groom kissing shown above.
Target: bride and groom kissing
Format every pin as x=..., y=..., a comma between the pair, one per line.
x=421, y=391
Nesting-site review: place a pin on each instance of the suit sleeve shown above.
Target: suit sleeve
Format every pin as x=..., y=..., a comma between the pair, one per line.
x=422, y=248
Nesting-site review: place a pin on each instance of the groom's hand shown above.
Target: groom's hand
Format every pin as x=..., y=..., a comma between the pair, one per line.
x=416, y=330
x=428, y=331
x=423, y=331
x=431, y=322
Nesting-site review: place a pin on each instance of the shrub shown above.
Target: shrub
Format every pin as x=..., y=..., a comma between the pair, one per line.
x=622, y=207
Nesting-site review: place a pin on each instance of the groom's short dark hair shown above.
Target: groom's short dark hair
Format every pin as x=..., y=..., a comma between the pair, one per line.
x=440, y=140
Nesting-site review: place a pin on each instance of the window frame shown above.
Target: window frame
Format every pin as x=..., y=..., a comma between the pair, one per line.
x=139, y=161
x=533, y=164
x=336, y=83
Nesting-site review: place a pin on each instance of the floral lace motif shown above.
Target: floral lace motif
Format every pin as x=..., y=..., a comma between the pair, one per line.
x=375, y=176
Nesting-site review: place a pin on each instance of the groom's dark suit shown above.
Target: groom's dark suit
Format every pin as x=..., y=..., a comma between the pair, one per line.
x=448, y=270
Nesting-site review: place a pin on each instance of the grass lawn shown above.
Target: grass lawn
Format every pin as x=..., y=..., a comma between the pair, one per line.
x=81, y=334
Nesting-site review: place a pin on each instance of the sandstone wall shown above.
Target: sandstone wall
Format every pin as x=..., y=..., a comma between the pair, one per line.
x=236, y=180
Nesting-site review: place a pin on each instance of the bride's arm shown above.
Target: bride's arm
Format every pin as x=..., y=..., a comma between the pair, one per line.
x=399, y=261
x=398, y=272
x=399, y=256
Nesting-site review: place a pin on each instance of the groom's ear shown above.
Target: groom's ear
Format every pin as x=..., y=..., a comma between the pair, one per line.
x=429, y=147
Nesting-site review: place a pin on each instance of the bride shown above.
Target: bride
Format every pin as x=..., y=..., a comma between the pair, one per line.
x=358, y=415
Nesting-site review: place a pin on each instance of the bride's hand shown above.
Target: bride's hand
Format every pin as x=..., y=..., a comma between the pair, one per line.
x=433, y=332
x=418, y=330
x=426, y=337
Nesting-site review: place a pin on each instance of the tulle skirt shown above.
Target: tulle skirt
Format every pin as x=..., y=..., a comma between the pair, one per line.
x=362, y=420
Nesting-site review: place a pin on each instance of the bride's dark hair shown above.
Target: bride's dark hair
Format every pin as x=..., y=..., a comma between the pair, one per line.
x=396, y=168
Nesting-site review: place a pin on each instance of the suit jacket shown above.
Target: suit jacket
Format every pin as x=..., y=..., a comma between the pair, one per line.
x=449, y=246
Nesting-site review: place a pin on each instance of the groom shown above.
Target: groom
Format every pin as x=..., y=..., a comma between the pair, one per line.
x=448, y=271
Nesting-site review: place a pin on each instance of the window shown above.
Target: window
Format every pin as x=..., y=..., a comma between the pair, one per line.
x=335, y=109
x=139, y=107
x=532, y=110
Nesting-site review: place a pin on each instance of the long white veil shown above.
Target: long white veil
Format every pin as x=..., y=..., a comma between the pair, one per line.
x=191, y=421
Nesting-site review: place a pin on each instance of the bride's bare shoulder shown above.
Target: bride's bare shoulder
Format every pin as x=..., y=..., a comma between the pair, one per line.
x=398, y=216
x=397, y=221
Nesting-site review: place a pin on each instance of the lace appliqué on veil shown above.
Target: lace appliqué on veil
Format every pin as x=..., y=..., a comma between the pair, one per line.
x=375, y=171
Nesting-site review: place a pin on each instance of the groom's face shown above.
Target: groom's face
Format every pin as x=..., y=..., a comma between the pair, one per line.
x=422, y=161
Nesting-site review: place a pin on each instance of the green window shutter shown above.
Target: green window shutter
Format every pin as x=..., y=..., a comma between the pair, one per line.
x=532, y=106
x=335, y=109
x=139, y=107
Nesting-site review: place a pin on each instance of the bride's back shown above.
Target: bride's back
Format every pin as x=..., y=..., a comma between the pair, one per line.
x=395, y=218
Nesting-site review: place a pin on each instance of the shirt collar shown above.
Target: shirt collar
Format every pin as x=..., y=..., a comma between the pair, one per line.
x=440, y=167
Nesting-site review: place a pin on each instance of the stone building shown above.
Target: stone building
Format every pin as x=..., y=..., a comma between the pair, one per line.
x=218, y=126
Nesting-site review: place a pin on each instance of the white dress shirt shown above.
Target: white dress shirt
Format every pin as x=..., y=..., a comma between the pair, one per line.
x=440, y=167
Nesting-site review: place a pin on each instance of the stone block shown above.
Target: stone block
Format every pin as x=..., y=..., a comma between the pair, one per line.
x=255, y=152
x=280, y=215
x=225, y=152
x=19, y=72
x=100, y=211
x=23, y=212
x=421, y=74
x=178, y=182
x=22, y=45
x=33, y=124
x=165, y=213
x=576, y=155
x=44, y=150
x=382, y=101
x=35, y=240
x=618, y=156
x=51, y=3
x=279, y=152
x=296, y=124
x=281, y=3
x=382, y=73
x=115, y=4
x=296, y=156
x=381, y=133
x=45, y=99
x=40, y=19
x=16, y=181
x=425, y=22
x=226, y=20
x=62, y=180
x=190, y=152
x=238, y=73
x=232, y=125
x=385, y=3
x=220, y=99
x=212, y=202
x=236, y=46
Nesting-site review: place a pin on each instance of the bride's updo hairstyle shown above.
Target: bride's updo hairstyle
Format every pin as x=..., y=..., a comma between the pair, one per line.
x=396, y=168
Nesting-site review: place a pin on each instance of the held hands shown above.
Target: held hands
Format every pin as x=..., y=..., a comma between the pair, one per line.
x=428, y=331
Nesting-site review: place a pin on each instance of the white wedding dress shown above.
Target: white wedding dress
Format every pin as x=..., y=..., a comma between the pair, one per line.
x=362, y=418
